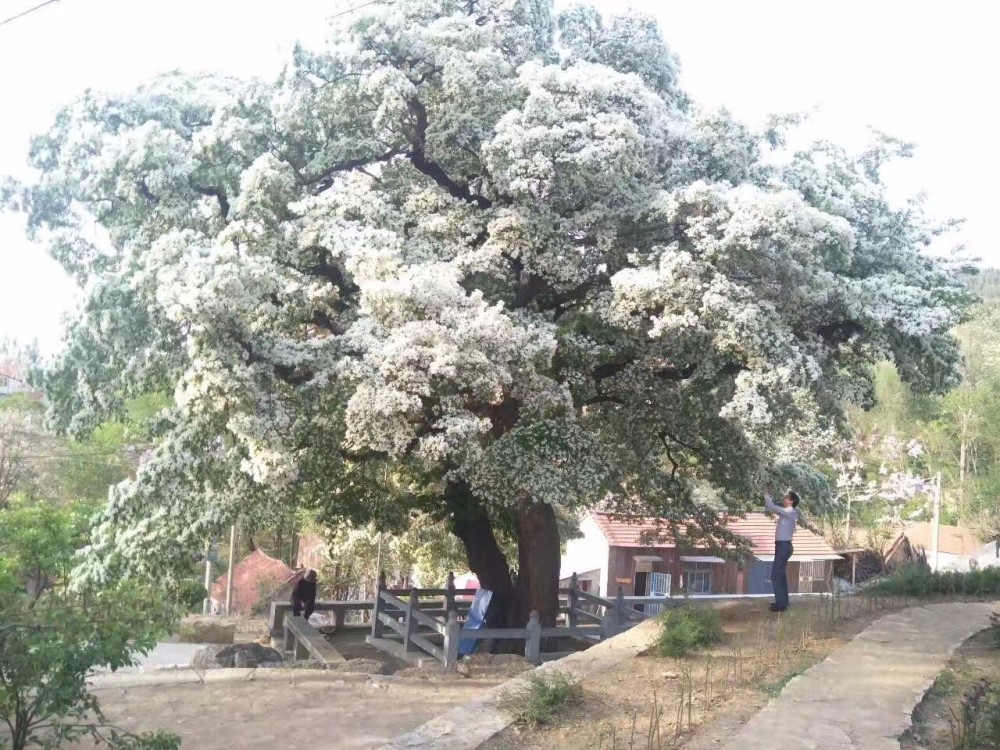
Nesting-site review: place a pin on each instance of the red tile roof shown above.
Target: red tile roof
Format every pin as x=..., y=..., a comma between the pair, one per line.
x=758, y=528
x=254, y=575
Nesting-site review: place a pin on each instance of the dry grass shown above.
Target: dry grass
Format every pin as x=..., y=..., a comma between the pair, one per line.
x=933, y=719
x=654, y=703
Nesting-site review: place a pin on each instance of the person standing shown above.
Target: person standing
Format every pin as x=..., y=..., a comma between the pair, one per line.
x=304, y=595
x=784, y=532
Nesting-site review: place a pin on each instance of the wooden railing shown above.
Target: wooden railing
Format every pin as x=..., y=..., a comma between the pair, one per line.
x=340, y=610
x=406, y=626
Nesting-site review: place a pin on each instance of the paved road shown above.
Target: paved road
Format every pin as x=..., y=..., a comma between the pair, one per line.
x=164, y=656
x=863, y=695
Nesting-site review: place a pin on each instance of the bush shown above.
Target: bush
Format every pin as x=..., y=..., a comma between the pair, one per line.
x=52, y=636
x=190, y=595
x=917, y=581
x=686, y=629
x=538, y=701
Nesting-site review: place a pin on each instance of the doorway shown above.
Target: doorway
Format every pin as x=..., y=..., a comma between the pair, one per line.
x=640, y=586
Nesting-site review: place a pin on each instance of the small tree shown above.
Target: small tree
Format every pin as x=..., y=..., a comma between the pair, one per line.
x=52, y=638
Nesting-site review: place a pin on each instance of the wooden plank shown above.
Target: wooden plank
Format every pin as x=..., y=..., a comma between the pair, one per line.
x=581, y=631
x=393, y=623
x=312, y=641
x=600, y=601
x=588, y=615
x=485, y=633
x=393, y=601
x=427, y=646
x=428, y=621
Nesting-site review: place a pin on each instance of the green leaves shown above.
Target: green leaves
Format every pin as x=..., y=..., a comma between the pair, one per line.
x=52, y=637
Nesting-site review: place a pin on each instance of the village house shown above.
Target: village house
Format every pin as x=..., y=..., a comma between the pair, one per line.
x=957, y=546
x=615, y=553
x=258, y=580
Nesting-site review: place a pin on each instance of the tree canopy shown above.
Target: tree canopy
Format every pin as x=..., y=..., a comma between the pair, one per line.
x=476, y=260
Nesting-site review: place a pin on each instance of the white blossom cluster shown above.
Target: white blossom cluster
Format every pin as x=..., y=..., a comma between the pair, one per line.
x=479, y=243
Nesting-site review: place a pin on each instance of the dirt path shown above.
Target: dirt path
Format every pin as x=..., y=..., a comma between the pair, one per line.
x=308, y=710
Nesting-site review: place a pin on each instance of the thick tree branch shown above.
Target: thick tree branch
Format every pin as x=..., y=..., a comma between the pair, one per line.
x=214, y=192
x=291, y=375
x=324, y=180
x=840, y=332
x=430, y=168
x=145, y=192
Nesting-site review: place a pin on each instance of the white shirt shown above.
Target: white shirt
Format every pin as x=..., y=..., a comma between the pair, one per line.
x=787, y=519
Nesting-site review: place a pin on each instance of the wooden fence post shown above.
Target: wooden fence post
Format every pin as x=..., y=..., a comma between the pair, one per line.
x=452, y=636
x=574, y=584
x=449, y=596
x=378, y=627
x=409, y=621
x=533, y=643
x=619, y=610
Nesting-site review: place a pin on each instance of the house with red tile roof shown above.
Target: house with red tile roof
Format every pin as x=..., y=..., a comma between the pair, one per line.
x=637, y=556
x=258, y=579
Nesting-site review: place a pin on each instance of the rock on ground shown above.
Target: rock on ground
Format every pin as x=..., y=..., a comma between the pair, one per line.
x=200, y=629
x=240, y=655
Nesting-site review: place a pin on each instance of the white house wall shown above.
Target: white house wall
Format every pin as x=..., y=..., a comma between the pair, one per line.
x=589, y=552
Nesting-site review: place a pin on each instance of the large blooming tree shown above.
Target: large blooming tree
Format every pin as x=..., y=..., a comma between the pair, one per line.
x=478, y=261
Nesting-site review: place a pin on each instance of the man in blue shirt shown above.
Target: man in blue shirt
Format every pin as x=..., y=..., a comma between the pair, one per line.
x=788, y=518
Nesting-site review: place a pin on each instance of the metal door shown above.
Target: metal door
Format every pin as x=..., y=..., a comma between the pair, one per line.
x=659, y=585
x=760, y=578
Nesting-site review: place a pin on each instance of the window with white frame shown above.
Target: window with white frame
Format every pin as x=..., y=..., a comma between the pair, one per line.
x=808, y=570
x=698, y=577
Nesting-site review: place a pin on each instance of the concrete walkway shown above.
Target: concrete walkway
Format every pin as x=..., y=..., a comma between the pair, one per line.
x=863, y=695
x=163, y=656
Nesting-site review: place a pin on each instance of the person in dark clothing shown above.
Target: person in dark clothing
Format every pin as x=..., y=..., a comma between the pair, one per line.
x=304, y=595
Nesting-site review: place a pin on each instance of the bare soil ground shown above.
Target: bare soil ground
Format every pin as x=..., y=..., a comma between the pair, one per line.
x=314, y=710
x=934, y=720
x=654, y=703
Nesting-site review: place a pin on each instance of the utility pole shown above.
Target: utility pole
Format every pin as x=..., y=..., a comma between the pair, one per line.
x=936, y=525
x=206, y=608
x=378, y=560
x=229, y=575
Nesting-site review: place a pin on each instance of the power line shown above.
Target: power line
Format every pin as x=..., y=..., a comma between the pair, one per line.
x=351, y=10
x=23, y=13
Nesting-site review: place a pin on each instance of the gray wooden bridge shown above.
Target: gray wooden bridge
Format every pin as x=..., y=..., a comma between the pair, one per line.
x=415, y=624
x=421, y=623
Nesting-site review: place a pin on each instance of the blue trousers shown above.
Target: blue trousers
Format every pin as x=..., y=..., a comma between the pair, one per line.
x=779, y=573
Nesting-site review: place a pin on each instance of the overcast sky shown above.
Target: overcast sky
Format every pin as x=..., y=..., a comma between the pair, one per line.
x=920, y=71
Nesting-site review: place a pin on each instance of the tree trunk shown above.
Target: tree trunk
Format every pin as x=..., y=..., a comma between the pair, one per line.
x=471, y=524
x=538, y=563
x=538, y=559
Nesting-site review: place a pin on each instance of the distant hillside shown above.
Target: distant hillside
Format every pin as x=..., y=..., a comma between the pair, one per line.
x=986, y=283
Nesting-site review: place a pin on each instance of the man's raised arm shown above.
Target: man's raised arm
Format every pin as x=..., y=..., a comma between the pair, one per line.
x=776, y=509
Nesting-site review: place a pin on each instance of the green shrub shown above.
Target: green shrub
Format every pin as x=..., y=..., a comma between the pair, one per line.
x=686, y=629
x=190, y=595
x=544, y=694
x=917, y=581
